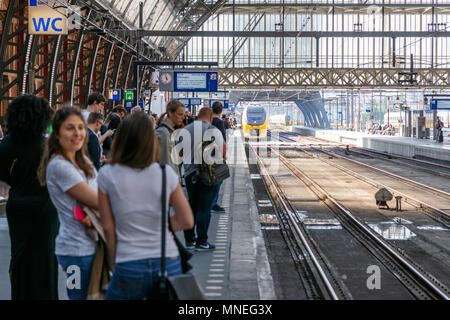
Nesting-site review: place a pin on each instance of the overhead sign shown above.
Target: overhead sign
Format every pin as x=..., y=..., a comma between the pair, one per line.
x=188, y=81
x=44, y=20
x=114, y=95
x=184, y=101
x=440, y=104
x=190, y=101
x=129, y=95
x=224, y=103
x=195, y=101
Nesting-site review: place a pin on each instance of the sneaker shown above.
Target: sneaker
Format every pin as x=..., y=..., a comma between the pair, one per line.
x=205, y=246
x=190, y=245
x=218, y=208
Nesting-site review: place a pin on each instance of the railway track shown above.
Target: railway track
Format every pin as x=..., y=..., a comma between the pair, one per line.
x=420, y=283
x=434, y=168
x=415, y=196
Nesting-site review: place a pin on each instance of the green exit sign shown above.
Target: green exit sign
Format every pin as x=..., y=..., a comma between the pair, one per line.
x=129, y=95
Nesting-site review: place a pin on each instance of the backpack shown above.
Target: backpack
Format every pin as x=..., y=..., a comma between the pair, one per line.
x=211, y=174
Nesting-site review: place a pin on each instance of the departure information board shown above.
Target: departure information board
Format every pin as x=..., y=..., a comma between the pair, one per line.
x=440, y=104
x=188, y=81
x=191, y=81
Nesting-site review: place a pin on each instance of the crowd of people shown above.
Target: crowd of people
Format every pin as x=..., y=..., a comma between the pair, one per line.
x=377, y=128
x=110, y=162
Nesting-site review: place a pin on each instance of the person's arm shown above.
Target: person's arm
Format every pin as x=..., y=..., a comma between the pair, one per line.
x=94, y=151
x=183, y=218
x=109, y=226
x=102, y=138
x=224, y=135
x=83, y=193
x=163, y=139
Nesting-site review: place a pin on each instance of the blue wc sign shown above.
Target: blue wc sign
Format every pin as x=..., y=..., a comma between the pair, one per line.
x=44, y=20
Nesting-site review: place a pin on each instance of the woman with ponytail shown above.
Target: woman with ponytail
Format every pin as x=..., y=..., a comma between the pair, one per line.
x=167, y=123
x=71, y=181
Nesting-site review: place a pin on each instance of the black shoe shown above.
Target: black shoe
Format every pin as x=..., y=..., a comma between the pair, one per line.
x=218, y=208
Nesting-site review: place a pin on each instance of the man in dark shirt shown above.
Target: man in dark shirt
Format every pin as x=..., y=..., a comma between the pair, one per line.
x=95, y=122
x=217, y=108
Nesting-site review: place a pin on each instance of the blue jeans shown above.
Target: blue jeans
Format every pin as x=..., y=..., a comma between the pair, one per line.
x=200, y=198
x=217, y=194
x=78, y=271
x=133, y=280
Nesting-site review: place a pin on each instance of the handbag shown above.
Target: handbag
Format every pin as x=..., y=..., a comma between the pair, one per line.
x=178, y=287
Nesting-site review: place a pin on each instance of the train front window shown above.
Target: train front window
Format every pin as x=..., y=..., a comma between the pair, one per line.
x=251, y=116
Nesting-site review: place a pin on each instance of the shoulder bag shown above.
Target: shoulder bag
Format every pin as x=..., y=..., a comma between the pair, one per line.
x=179, y=287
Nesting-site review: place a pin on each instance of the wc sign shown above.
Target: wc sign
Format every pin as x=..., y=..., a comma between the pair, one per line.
x=43, y=19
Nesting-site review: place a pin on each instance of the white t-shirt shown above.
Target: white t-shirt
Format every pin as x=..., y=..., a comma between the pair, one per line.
x=72, y=239
x=135, y=197
x=85, y=114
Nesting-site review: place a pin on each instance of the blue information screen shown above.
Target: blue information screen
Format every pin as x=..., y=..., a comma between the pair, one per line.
x=184, y=101
x=195, y=101
x=224, y=103
x=440, y=104
x=185, y=81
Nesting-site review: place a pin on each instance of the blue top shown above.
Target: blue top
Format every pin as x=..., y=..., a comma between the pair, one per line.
x=94, y=149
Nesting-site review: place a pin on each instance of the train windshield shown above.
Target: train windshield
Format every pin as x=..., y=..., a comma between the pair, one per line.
x=256, y=115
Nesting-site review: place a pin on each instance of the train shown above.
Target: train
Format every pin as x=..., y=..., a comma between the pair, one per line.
x=254, y=122
x=283, y=119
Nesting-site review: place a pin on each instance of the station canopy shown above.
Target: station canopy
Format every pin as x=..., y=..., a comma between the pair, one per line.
x=170, y=15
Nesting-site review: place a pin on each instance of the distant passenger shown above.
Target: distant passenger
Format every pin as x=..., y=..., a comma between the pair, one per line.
x=223, y=126
x=168, y=121
x=200, y=195
x=96, y=103
x=94, y=123
x=155, y=116
x=129, y=191
x=32, y=218
x=439, y=133
x=71, y=181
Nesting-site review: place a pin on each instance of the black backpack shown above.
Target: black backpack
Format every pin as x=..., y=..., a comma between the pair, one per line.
x=211, y=173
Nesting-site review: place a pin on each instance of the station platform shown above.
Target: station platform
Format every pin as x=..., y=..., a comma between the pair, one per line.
x=238, y=269
x=404, y=146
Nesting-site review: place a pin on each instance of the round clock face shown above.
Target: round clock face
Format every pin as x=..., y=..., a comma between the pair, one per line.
x=166, y=78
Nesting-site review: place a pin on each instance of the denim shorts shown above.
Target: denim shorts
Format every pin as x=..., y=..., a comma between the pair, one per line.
x=78, y=273
x=133, y=280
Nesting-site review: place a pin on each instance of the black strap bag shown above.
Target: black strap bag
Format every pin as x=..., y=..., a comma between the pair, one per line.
x=179, y=287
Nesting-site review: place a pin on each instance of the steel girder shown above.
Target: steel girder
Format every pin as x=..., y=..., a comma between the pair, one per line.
x=43, y=55
x=15, y=49
x=195, y=16
x=114, y=69
x=100, y=67
x=66, y=70
x=85, y=68
x=315, y=78
x=125, y=70
x=339, y=8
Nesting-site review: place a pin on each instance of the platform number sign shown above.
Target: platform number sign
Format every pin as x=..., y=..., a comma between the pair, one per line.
x=129, y=95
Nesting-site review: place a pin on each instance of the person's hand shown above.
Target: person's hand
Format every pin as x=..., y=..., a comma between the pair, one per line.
x=87, y=222
x=109, y=133
x=102, y=158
